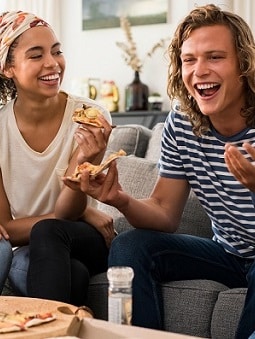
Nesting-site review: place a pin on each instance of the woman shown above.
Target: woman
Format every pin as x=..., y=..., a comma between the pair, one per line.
x=39, y=143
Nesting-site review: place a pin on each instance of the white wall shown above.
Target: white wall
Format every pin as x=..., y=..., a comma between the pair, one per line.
x=95, y=54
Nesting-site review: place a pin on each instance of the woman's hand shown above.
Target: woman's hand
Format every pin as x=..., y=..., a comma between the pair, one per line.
x=102, y=222
x=3, y=233
x=92, y=141
x=242, y=168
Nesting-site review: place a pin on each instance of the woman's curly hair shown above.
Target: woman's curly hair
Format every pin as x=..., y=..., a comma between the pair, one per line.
x=8, y=89
x=210, y=15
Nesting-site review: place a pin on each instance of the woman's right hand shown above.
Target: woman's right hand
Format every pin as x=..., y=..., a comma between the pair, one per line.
x=102, y=222
x=92, y=141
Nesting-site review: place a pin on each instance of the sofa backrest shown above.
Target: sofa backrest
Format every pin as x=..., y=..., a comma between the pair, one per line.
x=133, y=139
x=195, y=221
x=154, y=144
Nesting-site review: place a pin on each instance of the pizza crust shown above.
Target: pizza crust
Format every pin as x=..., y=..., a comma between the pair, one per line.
x=9, y=327
x=94, y=170
x=37, y=321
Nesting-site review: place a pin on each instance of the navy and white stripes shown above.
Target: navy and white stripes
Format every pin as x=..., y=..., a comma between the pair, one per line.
x=200, y=160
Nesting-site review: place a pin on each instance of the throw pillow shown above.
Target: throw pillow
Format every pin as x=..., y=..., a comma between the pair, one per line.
x=133, y=139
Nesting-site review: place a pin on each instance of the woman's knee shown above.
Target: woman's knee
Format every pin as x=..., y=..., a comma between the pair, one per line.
x=44, y=228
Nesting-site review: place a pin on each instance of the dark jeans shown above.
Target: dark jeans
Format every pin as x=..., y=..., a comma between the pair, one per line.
x=63, y=255
x=159, y=257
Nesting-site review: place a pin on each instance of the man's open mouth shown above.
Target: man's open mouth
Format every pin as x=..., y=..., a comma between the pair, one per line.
x=207, y=89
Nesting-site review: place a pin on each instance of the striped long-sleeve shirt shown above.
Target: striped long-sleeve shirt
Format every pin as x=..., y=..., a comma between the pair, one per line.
x=200, y=160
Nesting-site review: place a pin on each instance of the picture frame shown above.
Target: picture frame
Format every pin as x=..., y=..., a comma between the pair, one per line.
x=101, y=14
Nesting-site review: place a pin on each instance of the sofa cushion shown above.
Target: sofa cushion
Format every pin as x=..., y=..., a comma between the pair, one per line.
x=98, y=296
x=195, y=221
x=137, y=177
x=133, y=139
x=189, y=304
x=227, y=313
x=154, y=145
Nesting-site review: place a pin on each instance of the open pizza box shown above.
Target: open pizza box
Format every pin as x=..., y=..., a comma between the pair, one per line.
x=67, y=323
x=99, y=329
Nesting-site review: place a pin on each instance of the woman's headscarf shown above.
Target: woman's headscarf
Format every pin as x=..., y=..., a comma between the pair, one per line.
x=12, y=24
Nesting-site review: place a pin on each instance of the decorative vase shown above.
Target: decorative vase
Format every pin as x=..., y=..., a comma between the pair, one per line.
x=136, y=95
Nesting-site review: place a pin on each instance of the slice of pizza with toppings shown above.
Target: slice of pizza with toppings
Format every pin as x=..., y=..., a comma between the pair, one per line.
x=87, y=115
x=34, y=319
x=20, y=321
x=94, y=170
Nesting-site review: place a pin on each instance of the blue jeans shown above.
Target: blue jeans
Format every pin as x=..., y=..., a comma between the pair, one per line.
x=5, y=261
x=18, y=271
x=158, y=257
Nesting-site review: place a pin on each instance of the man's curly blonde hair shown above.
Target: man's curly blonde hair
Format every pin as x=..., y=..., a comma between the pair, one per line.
x=210, y=15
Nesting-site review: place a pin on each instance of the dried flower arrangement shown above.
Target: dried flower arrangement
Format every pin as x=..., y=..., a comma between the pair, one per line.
x=130, y=50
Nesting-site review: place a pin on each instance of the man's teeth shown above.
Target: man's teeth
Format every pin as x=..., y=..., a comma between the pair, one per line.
x=206, y=86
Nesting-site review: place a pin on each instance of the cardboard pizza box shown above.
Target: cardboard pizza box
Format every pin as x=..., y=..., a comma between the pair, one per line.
x=68, y=325
x=97, y=329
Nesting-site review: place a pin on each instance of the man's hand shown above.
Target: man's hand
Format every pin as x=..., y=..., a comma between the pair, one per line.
x=103, y=187
x=242, y=168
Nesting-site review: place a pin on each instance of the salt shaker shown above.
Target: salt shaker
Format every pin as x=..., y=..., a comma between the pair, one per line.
x=120, y=294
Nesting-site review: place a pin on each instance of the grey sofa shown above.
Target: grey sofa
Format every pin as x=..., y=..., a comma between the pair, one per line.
x=200, y=307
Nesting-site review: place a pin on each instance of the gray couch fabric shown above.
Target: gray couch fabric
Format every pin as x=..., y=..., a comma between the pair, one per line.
x=199, y=308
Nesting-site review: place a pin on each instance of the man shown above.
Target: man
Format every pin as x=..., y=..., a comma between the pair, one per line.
x=207, y=145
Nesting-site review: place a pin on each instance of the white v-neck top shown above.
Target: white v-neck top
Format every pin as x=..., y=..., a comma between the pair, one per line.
x=32, y=180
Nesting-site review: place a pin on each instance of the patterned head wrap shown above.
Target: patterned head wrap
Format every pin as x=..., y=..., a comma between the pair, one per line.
x=12, y=24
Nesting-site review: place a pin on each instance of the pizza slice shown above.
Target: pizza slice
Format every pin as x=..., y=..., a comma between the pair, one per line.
x=6, y=327
x=94, y=170
x=20, y=321
x=38, y=319
x=87, y=115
